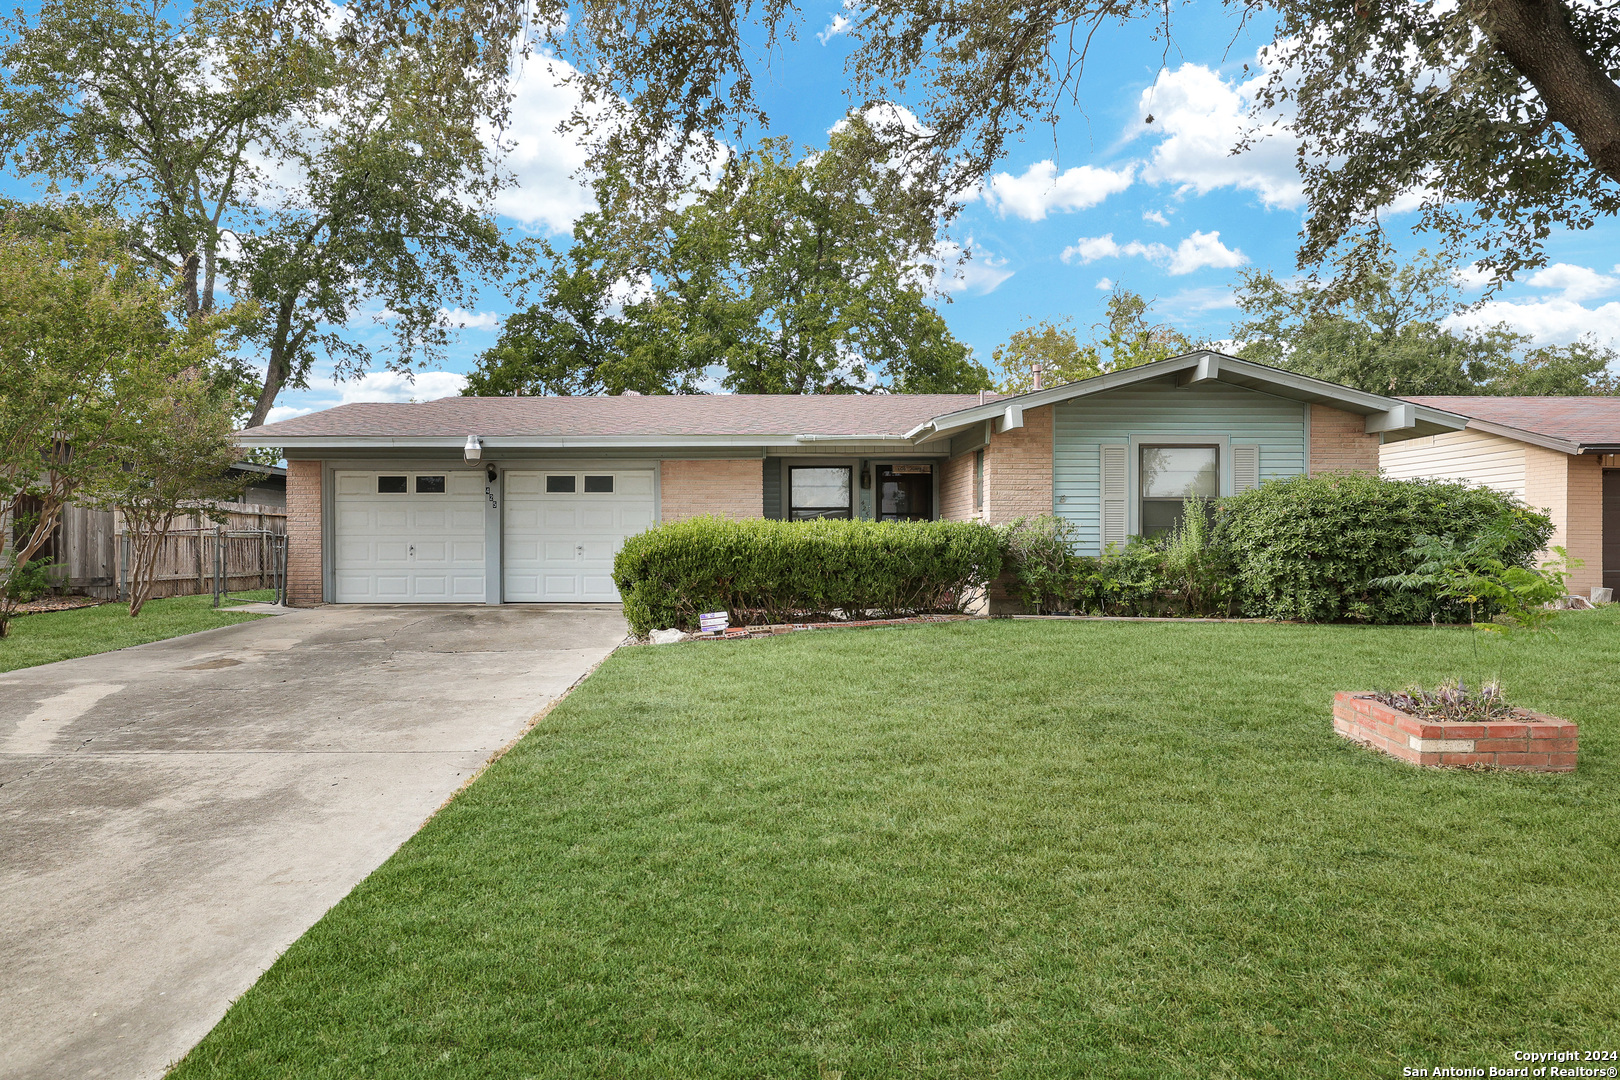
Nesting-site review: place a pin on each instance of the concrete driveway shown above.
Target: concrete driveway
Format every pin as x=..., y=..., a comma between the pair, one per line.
x=173, y=816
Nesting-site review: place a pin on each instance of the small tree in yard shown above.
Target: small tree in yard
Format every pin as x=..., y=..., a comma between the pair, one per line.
x=175, y=462
x=85, y=343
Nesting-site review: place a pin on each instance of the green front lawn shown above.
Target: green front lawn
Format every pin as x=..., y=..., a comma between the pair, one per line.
x=63, y=635
x=1023, y=849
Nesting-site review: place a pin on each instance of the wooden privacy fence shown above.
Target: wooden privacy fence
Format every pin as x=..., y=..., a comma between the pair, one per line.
x=246, y=551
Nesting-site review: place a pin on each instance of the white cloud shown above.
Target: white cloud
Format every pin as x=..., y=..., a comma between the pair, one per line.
x=1574, y=282
x=1199, y=117
x=458, y=319
x=1209, y=298
x=1089, y=249
x=1199, y=250
x=1548, y=322
x=1042, y=189
x=1472, y=278
x=840, y=24
x=1204, y=249
x=279, y=413
x=982, y=273
x=397, y=386
x=1104, y=284
x=542, y=160
x=1155, y=217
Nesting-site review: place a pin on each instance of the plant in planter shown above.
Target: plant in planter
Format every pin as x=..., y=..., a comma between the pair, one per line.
x=1451, y=725
x=1457, y=728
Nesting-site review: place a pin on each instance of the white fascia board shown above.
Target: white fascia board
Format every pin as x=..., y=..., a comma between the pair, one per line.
x=559, y=442
x=1550, y=442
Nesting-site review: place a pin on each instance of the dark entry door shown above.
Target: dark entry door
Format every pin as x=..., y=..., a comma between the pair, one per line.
x=1611, y=530
x=905, y=493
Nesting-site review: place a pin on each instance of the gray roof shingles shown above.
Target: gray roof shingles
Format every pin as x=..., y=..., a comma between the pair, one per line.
x=629, y=416
x=1591, y=421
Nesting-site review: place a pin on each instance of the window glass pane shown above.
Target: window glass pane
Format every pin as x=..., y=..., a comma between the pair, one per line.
x=430, y=485
x=1180, y=472
x=560, y=485
x=599, y=483
x=1160, y=515
x=820, y=489
x=807, y=515
x=391, y=485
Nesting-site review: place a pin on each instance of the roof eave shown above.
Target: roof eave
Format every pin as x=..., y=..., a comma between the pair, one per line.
x=553, y=442
x=1395, y=418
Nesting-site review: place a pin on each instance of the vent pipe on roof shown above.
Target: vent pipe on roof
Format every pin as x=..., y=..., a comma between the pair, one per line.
x=1036, y=371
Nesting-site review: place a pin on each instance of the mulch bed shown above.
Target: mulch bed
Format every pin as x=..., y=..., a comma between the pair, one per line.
x=774, y=629
x=58, y=603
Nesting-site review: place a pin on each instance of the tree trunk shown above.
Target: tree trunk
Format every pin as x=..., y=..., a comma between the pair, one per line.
x=1536, y=38
x=277, y=368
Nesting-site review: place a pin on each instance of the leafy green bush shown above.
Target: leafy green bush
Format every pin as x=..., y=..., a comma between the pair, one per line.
x=1184, y=573
x=31, y=581
x=1320, y=548
x=777, y=571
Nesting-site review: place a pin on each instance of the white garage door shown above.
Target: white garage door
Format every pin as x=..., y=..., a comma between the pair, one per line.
x=563, y=529
x=409, y=537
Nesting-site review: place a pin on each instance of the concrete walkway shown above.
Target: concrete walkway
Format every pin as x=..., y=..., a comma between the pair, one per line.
x=174, y=815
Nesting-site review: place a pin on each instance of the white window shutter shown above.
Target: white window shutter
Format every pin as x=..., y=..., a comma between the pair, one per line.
x=1115, y=486
x=1245, y=468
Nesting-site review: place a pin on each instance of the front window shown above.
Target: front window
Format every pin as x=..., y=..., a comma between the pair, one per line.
x=1170, y=475
x=820, y=491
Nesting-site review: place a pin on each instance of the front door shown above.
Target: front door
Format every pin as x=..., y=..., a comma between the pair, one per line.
x=905, y=492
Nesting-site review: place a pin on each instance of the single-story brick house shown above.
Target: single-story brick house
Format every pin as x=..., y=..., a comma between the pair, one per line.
x=527, y=499
x=1561, y=454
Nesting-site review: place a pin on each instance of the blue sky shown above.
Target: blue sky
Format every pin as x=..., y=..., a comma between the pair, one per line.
x=1102, y=200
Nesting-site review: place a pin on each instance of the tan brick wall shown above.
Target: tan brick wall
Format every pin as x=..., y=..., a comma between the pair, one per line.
x=1571, y=490
x=304, y=582
x=1340, y=443
x=728, y=487
x=956, y=488
x=1018, y=469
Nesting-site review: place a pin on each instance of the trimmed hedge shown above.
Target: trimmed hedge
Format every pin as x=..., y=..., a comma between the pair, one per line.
x=1308, y=547
x=783, y=571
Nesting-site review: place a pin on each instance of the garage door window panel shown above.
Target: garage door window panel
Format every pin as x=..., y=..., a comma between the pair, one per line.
x=561, y=485
x=599, y=485
x=430, y=485
x=392, y=485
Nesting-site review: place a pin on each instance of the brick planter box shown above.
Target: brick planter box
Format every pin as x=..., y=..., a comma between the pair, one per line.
x=1538, y=744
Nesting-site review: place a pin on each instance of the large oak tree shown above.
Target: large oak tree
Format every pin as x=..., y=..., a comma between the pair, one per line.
x=791, y=274
x=1502, y=115
x=284, y=155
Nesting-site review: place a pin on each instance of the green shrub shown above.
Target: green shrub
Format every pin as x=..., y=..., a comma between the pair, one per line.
x=1312, y=548
x=1184, y=573
x=1044, y=574
x=779, y=571
x=31, y=582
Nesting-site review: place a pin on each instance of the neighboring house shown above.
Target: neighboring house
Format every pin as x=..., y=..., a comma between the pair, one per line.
x=1559, y=454
x=525, y=499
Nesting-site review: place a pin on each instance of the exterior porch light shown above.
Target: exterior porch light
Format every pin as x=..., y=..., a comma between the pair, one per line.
x=473, y=450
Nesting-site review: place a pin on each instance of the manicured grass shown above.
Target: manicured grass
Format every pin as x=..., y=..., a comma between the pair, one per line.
x=1020, y=849
x=62, y=635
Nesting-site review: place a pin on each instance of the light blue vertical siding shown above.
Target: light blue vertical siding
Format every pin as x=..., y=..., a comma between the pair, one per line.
x=1081, y=425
